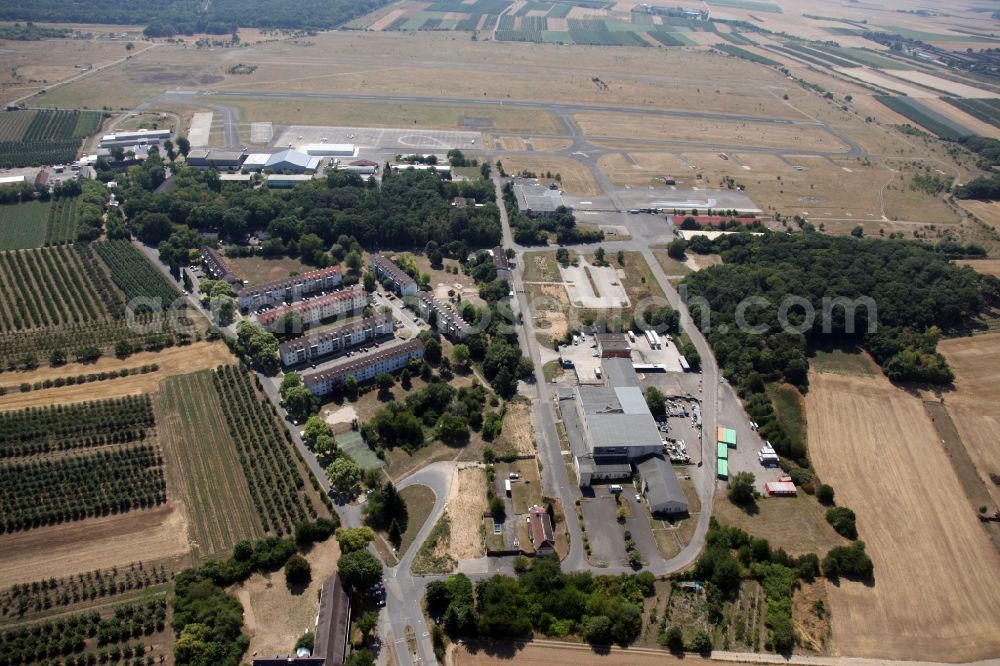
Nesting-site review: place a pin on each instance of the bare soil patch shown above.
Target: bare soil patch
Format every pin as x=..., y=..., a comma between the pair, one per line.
x=173, y=361
x=274, y=616
x=936, y=594
x=468, y=496
x=97, y=543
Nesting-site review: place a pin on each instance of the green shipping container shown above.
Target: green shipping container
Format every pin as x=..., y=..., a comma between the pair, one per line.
x=723, y=451
x=723, y=469
x=730, y=438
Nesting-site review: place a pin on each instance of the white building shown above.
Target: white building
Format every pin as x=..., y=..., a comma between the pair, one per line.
x=256, y=161
x=317, y=309
x=449, y=324
x=290, y=289
x=291, y=160
x=312, y=347
x=385, y=269
x=363, y=368
x=331, y=149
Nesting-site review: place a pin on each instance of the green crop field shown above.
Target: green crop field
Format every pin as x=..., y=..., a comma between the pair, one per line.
x=199, y=447
x=747, y=4
x=34, y=138
x=927, y=118
x=23, y=225
x=736, y=51
x=987, y=110
x=823, y=54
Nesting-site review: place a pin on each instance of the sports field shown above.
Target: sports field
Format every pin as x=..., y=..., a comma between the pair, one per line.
x=936, y=594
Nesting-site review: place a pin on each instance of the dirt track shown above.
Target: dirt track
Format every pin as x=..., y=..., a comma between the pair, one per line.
x=936, y=594
x=172, y=361
x=99, y=543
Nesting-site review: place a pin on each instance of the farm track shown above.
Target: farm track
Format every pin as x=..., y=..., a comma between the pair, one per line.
x=204, y=463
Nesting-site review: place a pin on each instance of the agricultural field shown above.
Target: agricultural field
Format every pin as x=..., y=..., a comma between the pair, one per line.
x=202, y=456
x=61, y=224
x=975, y=404
x=276, y=477
x=927, y=118
x=50, y=287
x=134, y=275
x=887, y=464
x=48, y=137
x=24, y=225
x=986, y=110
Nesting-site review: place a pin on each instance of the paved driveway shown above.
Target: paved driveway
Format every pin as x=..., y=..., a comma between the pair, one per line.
x=606, y=541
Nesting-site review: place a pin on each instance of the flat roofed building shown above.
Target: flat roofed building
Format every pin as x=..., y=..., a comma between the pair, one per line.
x=617, y=422
x=501, y=262
x=256, y=161
x=312, y=311
x=286, y=181
x=613, y=345
x=220, y=159
x=537, y=200
x=386, y=269
x=311, y=347
x=290, y=289
x=331, y=149
x=388, y=359
x=660, y=486
x=12, y=180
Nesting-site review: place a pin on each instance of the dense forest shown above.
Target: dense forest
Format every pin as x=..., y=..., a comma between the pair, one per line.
x=410, y=209
x=189, y=16
x=916, y=291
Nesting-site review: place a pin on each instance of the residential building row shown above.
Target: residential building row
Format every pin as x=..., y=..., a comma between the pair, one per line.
x=315, y=310
x=363, y=368
x=448, y=324
x=216, y=266
x=309, y=348
x=290, y=289
x=385, y=269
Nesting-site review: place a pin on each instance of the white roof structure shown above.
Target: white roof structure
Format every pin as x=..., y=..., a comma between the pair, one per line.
x=256, y=160
x=11, y=180
x=291, y=160
x=327, y=149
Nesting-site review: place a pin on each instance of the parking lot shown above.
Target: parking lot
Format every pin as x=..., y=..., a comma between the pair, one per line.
x=607, y=543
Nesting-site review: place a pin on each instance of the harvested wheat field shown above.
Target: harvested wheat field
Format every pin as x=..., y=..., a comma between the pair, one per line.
x=936, y=594
x=274, y=615
x=546, y=653
x=468, y=495
x=984, y=266
x=975, y=405
x=172, y=361
x=96, y=543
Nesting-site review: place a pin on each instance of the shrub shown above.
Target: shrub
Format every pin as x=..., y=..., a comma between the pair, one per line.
x=673, y=639
x=848, y=561
x=297, y=570
x=825, y=494
x=842, y=520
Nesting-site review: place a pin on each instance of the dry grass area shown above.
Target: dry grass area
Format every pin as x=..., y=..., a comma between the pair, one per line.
x=547, y=653
x=172, y=361
x=96, y=543
x=975, y=405
x=517, y=433
x=984, y=266
x=638, y=168
x=812, y=629
x=548, y=144
x=793, y=137
x=986, y=211
x=275, y=616
x=511, y=143
x=468, y=492
x=936, y=593
x=576, y=177
x=796, y=524
x=258, y=270
x=293, y=111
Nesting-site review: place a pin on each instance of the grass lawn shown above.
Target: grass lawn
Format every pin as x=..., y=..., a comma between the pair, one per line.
x=202, y=464
x=672, y=267
x=526, y=491
x=419, y=502
x=844, y=362
x=552, y=370
x=258, y=270
x=789, y=407
x=797, y=524
x=352, y=444
x=23, y=226
x=541, y=266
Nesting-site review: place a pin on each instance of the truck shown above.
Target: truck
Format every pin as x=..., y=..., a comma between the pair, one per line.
x=650, y=339
x=656, y=340
x=506, y=486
